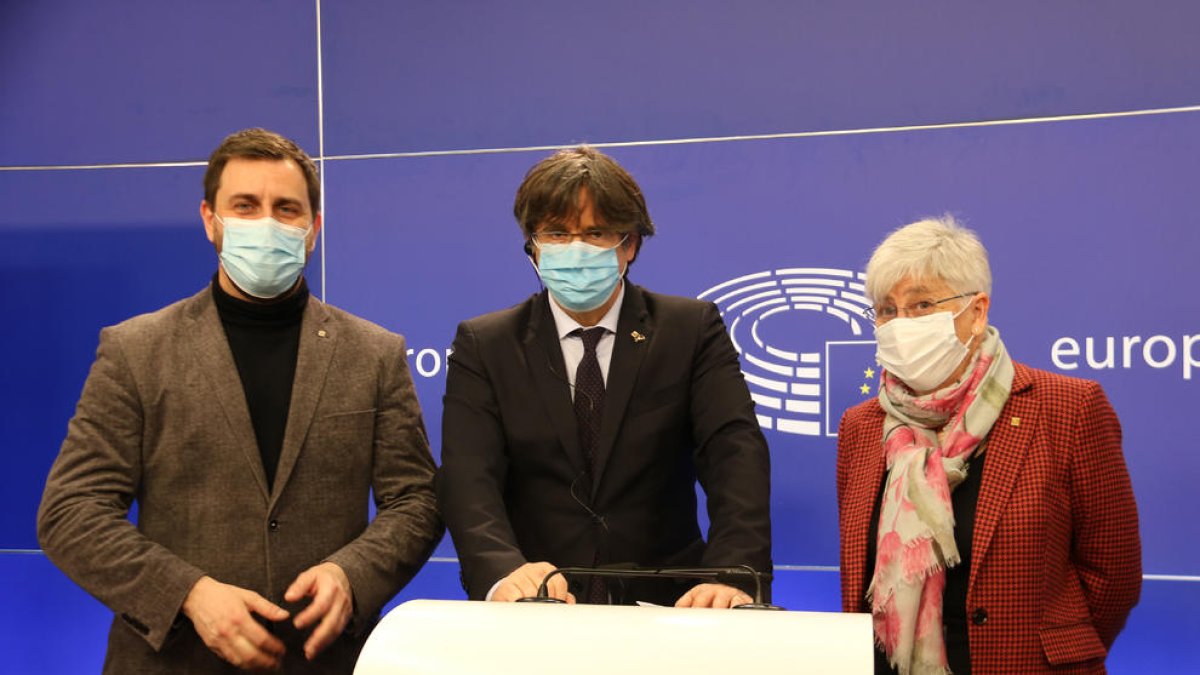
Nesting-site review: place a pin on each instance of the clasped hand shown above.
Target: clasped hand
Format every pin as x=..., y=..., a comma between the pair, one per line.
x=222, y=616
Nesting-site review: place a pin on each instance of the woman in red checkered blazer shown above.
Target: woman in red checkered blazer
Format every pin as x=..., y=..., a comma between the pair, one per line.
x=986, y=515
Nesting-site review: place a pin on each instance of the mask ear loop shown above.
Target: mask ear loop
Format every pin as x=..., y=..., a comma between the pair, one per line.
x=528, y=248
x=964, y=309
x=975, y=332
x=619, y=245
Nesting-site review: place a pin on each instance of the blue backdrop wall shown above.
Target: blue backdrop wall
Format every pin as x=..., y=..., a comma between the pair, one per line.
x=777, y=143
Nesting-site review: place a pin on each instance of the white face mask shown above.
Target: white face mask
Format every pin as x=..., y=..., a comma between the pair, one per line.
x=922, y=351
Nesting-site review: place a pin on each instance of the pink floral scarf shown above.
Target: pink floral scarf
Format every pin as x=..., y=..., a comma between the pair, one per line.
x=916, y=524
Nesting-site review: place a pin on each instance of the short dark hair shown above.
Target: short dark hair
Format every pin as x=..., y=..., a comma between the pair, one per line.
x=550, y=192
x=259, y=143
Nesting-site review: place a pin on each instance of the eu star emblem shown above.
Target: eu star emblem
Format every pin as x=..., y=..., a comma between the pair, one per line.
x=851, y=377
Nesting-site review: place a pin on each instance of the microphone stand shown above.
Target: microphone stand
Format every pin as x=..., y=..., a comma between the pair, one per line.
x=716, y=574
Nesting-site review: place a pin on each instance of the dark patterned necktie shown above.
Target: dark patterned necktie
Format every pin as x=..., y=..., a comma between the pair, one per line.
x=589, y=408
x=589, y=396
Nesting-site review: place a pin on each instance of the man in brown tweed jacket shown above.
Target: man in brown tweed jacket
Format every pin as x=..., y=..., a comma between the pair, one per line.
x=251, y=424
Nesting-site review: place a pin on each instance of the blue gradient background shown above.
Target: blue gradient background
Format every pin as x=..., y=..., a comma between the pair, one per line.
x=1090, y=223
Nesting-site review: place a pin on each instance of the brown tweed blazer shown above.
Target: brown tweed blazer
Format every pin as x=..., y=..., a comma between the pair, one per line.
x=163, y=421
x=1056, y=558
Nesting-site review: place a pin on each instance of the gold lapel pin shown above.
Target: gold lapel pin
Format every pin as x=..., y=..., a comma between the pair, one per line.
x=637, y=337
x=322, y=333
x=1016, y=421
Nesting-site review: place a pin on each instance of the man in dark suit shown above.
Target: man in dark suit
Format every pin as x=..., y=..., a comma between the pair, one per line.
x=577, y=423
x=251, y=423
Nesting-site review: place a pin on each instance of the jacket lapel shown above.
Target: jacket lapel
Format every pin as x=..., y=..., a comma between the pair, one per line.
x=211, y=348
x=627, y=355
x=1007, y=446
x=318, y=340
x=548, y=371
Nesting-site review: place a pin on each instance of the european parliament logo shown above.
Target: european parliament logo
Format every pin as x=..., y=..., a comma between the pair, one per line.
x=806, y=348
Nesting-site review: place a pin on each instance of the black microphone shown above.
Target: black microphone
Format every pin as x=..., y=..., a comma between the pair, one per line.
x=716, y=574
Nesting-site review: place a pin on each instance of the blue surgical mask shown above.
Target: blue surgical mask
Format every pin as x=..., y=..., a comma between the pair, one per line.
x=581, y=277
x=263, y=257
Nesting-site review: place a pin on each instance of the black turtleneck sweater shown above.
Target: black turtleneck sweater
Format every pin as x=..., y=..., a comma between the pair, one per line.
x=265, y=339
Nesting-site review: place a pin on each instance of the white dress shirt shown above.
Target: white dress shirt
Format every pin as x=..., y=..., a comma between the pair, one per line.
x=572, y=345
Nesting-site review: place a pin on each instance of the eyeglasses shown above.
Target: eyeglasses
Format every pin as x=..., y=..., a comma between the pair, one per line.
x=885, y=313
x=595, y=237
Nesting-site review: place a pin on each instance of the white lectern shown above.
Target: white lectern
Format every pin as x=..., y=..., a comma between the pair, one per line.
x=450, y=637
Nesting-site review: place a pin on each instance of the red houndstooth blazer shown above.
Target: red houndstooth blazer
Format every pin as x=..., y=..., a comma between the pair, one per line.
x=1056, y=556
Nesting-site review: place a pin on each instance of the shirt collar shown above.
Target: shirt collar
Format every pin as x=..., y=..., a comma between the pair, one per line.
x=566, y=325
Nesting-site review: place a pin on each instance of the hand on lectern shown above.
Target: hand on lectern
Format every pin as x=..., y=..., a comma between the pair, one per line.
x=715, y=596
x=524, y=581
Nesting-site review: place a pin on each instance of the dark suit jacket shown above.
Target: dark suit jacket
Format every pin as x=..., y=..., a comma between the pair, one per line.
x=163, y=421
x=513, y=487
x=1056, y=558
